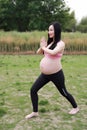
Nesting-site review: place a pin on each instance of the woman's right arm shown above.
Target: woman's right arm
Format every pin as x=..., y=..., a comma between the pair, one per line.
x=40, y=51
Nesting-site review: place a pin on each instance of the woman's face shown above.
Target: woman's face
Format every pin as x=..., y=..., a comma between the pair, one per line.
x=51, y=31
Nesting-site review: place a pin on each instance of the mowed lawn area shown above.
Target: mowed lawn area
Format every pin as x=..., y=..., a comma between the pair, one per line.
x=17, y=74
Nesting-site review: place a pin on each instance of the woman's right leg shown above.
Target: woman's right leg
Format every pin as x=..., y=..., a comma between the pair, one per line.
x=38, y=84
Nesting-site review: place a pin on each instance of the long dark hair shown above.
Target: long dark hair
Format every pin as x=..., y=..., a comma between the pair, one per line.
x=57, y=35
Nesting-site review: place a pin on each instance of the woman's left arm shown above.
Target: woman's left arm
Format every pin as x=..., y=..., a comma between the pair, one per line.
x=60, y=46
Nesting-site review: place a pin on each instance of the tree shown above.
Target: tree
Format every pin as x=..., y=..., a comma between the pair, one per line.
x=32, y=14
x=47, y=11
x=14, y=16
x=82, y=26
x=71, y=24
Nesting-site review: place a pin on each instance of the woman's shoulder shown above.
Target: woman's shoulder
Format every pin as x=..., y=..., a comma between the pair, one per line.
x=61, y=43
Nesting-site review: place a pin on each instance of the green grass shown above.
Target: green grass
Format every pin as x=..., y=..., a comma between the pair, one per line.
x=17, y=74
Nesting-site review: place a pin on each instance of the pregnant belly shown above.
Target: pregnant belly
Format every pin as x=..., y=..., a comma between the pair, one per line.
x=50, y=66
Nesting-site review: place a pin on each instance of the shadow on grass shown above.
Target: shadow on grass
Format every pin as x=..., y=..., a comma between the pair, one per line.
x=2, y=112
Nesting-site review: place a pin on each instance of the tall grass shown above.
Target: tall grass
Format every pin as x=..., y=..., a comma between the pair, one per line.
x=29, y=41
x=75, y=41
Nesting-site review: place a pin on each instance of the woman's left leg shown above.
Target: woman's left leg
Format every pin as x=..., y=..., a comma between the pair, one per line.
x=59, y=81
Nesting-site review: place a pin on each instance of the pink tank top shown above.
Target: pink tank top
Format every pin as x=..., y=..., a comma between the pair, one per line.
x=58, y=55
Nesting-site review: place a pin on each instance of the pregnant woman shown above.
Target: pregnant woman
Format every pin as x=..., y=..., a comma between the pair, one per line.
x=51, y=69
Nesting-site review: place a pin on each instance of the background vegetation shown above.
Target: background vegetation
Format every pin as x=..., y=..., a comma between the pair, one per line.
x=16, y=42
x=23, y=23
x=21, y=15
x=29, y=15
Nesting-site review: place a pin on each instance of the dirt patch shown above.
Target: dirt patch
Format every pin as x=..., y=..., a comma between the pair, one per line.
x=17, y=53
x=76, y=53
x=33, y=52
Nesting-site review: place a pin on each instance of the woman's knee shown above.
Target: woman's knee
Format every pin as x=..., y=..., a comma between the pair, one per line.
x=64, y=92
x=33, y=91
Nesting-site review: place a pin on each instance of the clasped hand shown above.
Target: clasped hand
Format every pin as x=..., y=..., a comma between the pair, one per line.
x=43, y=42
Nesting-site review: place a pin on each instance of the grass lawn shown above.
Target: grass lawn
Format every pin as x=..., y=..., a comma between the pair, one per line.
x=17, y=74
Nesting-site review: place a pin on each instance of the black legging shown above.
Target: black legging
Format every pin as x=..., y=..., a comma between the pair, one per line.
x=58, y=80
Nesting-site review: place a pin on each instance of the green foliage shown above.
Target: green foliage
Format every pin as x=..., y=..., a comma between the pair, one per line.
x=27, y=15
x=82, y=26
x=71, y=23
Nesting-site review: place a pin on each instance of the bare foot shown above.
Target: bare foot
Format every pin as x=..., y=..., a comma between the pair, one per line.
x=33, y=114
x=74, y=111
